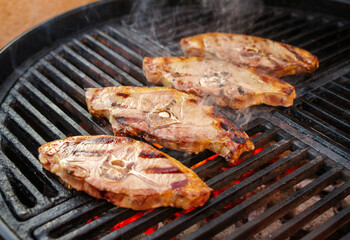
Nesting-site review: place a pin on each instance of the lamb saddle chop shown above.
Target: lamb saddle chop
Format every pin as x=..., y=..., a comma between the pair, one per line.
x=219, y=82
x=276, y=58
x=126, y=172
x=171, y=118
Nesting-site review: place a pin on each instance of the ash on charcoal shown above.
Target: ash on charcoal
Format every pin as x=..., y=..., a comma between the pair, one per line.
x=302, y=183
x=256, y=213
x=190, y=230
x=225, y=232
x=263, y=234
x=344, y=203
x=317, y=221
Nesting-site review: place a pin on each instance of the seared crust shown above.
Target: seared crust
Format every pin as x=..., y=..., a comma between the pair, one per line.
x=276, y=58
x=127, y=173
x=220, y=82
x=171, y=118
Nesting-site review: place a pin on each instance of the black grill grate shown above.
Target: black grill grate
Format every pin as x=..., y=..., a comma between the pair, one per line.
x=325, y=113
x=47, y=103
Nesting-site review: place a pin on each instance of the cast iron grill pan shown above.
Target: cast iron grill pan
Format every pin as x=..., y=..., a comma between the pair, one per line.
x=308, y=141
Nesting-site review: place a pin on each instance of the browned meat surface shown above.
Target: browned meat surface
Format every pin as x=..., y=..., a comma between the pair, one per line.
x=125, y=172
x=220, y=82
x=276, y=58
x=172, y=118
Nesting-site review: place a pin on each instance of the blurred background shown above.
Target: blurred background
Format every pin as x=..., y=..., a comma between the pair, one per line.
x=15, y=17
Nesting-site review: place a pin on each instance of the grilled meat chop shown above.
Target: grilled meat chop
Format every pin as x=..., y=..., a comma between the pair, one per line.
x=223, y=83
x=172, y=118
x=126, y=172
x=276, y=58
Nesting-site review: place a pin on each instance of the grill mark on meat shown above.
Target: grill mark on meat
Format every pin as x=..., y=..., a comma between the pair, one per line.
x=288, y=91
x=224, y=126
x=239, y=139
x=167, y=107
x=300, y=58
x=118, y=105
x=129, y=166
x=107, y=140
x=124, y=95
x=224, y=73
x=163, y=170
x=192, y=100
x=124, y=120
x=86, y=152
x=179, y=184
x=240, y=90
x=145, y=154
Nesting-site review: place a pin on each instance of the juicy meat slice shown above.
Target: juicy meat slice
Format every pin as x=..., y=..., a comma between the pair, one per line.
x=128, y=173
x=223, y=83
x=171, y=118
x=276, y=58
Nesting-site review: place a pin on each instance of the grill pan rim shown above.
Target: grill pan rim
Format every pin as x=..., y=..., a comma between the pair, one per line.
x=43, y=50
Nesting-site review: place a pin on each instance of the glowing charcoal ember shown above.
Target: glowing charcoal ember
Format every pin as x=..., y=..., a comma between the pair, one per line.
x=205, y=161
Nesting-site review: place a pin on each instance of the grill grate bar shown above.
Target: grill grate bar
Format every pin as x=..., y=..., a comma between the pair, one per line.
x=178, y=32
x=114, y=57
x=290, y=31
x=90, y=69
x=141, y=224
x=180, y=224
x=336, y=110
x=41, y=122
x=322, y=127
x=186, y=31
x=342, y=88
x=335, y=96
x=77, y=216
x=245, y=21
x=335, y=55
x=51, y=108
x=219, y=162
x=276, y=28
x=269, y=22
x=102, y=63
x=62, y=81
x=73, y=72
x=194, y=159
x=110, y=217
x=206, y=170
x=250, y=164
x=321, y=74
x=22, y=194
x=283, y=207
x=143, y=21
x=22, y=126
x=329, y=227
x=118, y=47
x=135, y=42
x=172, y=21
x=322, y=114
x=312, y=212
x=310, y=35
x=62, y=99
x=323, y=38
x=226, y=197
x=46, y=186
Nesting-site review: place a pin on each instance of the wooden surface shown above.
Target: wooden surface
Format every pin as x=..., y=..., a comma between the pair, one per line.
x=18, y=16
